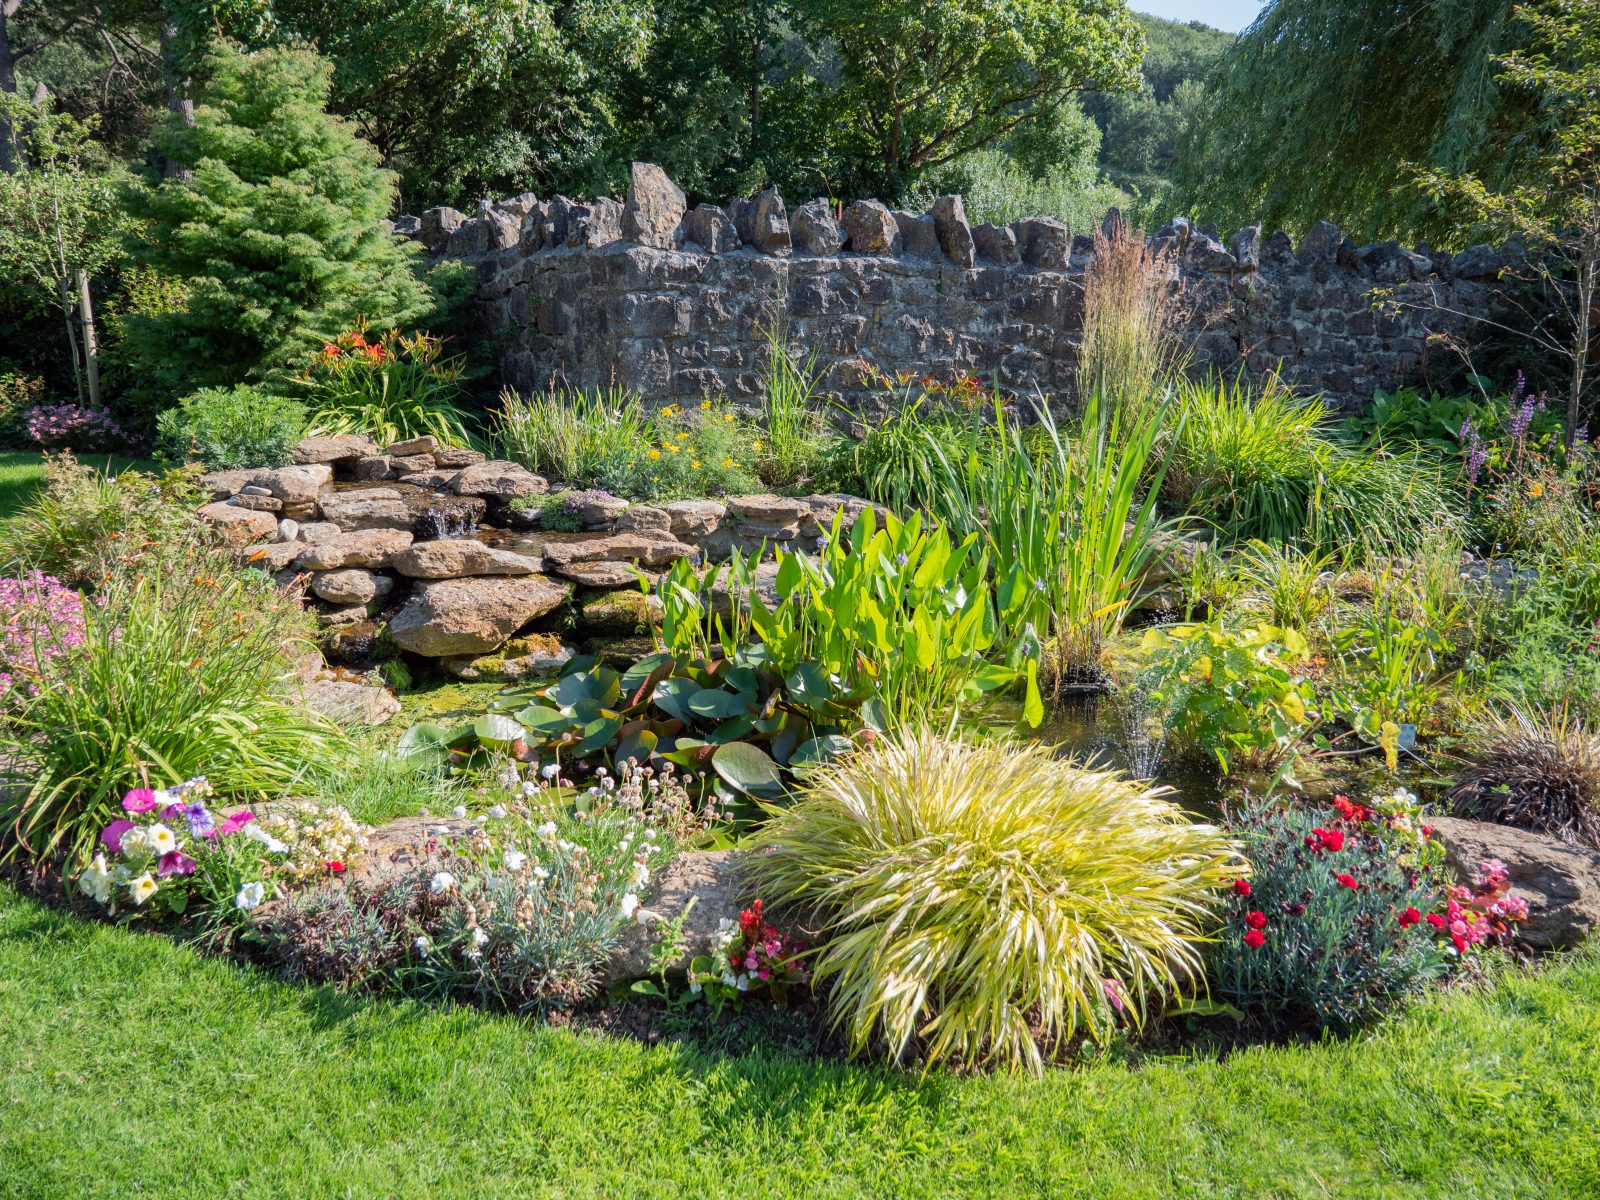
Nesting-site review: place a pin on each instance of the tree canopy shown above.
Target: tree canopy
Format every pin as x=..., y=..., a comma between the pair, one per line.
x=1315, y=107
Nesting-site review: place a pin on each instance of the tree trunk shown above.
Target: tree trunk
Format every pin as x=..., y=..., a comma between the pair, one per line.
x=1588, y=286
x=91, y=339
x=8, y=84
x=68, y=303
x=179, y=103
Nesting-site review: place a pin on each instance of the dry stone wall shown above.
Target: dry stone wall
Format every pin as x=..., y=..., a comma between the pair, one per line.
x=675, y=302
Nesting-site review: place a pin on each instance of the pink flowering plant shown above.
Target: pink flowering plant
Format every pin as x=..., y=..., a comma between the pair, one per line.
x=73, y=427
x=1481, y=914
x=40, y=620
x=749, y=958
x=170, y=855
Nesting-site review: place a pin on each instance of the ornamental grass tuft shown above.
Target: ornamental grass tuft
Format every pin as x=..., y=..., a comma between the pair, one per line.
x=1535, y=770
x=990, y=901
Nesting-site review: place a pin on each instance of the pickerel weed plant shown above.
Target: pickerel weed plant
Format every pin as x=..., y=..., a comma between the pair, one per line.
x=900, y=613
x=988, y=901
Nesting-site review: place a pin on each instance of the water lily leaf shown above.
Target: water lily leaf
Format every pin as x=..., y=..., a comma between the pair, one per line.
x=714, y=702
x=820, y=749
x=747, y=768
x=672, y=697
x=497, y=732
x=429, y=739
x=596, y=735
x=637, y=743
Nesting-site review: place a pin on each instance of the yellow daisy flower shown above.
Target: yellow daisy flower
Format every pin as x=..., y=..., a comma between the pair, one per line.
x=655, y=454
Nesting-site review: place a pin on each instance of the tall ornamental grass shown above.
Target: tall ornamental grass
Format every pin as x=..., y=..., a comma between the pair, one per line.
x=988, y=900
x=180, y=672
x=793, y=429
x=1254, y=462
x=584, y=439
x=1131, y=307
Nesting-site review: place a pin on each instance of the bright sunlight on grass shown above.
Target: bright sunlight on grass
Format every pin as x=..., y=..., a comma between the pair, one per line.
x=134, y=1066
x=22, y=471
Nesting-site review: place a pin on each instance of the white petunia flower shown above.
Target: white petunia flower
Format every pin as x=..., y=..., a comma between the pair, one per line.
x=96, y=881
x=257, y=834
x=142, y=888
x=250, y=895
x=162, y=839
x=630, y=904
x=441, y=883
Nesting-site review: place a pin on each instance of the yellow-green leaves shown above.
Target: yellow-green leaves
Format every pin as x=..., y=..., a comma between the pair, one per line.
x=975, y=897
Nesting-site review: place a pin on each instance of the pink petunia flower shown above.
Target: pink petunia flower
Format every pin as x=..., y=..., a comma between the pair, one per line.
x=175, y=862
x=139, y=800
x=111, y=835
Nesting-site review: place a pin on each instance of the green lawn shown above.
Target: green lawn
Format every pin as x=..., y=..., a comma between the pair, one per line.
x=22, y=471
x=131, y=1066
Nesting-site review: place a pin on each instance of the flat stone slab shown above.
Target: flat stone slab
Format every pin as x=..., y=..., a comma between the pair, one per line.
x=476, y=615
x=457, y=557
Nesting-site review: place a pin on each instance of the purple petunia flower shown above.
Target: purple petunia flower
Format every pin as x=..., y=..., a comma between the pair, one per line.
x=200, y=819
x=111, y=835
x=174, y=862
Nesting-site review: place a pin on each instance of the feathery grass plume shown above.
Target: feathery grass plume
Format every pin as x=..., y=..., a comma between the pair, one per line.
x=1533, y=769
x=985, y=898
x=1131, y=307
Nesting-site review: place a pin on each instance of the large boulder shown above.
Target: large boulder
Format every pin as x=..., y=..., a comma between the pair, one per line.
x=654, y=550
x=870, y=228
x=499, y=480
x=460, y=556
x=1560, y=882
x=708, y=878
x=299, y=485
x=472, y=616
x=764, y=223
x=351, y=585
x=239, y=526
x=1043, y=242
x=371, y=508
x=363, y=548
x=710, y=228
x=533, y=656
x=653, y=208
x=694, y=519
x=349, y=703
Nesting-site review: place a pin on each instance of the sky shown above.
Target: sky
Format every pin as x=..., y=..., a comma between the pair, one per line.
x=1232, y=15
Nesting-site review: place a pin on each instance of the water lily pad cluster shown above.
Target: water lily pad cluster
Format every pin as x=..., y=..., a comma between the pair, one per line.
x=739, y=726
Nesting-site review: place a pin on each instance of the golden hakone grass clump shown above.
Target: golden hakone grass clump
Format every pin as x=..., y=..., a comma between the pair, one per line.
x=987, y=899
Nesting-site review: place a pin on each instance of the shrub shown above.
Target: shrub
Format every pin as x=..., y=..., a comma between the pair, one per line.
x=83, y=523
x=73, y=427
x=18, y=393
x=1255, y=464
x=182, y=670
x=225, y=428
x=988, y=898
x=1329, y=926
x=391, y=389
x=703, y=451
x=275, y=229
x=524, y=912
x=1235, y=692
x=1535, y=769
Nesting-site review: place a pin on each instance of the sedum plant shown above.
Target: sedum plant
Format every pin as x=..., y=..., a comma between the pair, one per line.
x=987, y=900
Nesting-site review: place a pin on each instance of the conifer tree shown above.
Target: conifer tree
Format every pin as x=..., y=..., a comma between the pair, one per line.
x=274, y=233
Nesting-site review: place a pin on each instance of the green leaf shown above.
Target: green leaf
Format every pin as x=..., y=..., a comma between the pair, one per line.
x=747, y=768
x=714, y=702
x=497, y=732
